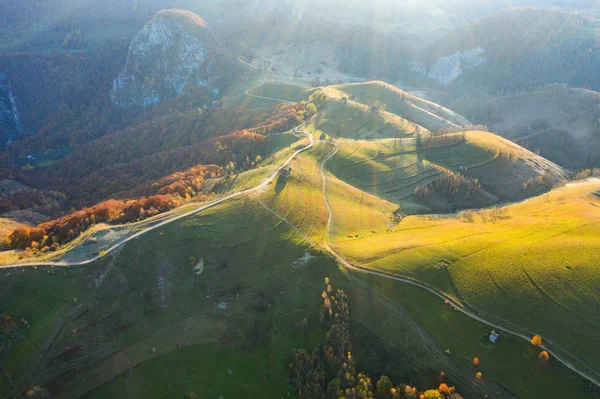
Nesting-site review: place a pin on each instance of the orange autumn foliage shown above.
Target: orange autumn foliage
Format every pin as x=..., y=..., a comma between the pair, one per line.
x=64, y=229
x=476, y=361
x=536, y=340
x=544, y=356
x=445, y=389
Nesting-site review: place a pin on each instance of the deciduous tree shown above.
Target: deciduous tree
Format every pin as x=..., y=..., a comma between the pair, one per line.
x=536, y=340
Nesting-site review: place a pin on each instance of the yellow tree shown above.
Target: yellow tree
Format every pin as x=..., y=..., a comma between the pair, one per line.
x=536, y=340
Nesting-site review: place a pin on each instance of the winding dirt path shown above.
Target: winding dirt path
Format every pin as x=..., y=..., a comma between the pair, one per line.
x=122, y=242
x=267, y=98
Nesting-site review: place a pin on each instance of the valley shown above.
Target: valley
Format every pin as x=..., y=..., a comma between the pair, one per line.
x=169, y=225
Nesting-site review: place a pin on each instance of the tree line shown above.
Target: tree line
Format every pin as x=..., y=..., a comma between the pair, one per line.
x=329, y=372
x=451, y=186
x=50, y=235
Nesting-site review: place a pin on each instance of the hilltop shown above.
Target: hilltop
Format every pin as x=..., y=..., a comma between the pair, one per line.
x=373, y=104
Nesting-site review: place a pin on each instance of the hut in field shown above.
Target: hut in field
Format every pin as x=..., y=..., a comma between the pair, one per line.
x=286, y=172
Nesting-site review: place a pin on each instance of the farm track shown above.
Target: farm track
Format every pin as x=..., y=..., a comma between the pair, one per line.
x=516, y=331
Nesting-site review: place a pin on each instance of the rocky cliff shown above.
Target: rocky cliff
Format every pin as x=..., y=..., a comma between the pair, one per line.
x=174, y=53
x=10, y=121
x=449, y=68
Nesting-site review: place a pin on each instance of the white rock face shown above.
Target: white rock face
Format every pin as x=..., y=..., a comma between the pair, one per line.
x=173, y=52
x=447, y=69
x=10, y=120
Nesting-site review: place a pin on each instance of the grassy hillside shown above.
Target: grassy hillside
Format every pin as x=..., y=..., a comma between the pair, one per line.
x=425, y=113
x=501, y=166
x=289, y=92
x=559, y=123
x=389, y=169
x=393, y=169
x=347, y=109
x=532, y=263
x=145, y=309
x=349, y=119
x=243, y=313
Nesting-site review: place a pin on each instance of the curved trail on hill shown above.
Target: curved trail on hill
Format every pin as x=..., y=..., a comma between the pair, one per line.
x=458, y=306
x=119, y=243
x=270, y=98
x=330, y=222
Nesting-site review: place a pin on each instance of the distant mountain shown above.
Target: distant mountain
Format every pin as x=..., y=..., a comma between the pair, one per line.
x=40, y=12
x=174, y=53
x=560, y=123
x=517, y=48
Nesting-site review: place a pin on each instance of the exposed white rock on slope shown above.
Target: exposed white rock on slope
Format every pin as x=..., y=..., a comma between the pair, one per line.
x=447, y=69
x=10, y=121
x=173, y=52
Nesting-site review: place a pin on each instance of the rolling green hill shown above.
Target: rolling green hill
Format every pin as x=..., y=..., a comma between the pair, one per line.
x=393, y=169
x=349, y=119
x=261, y=275
x=423, y=112
x=532, y=264
x=405, y=112
x=209, y=213
x=237, y=286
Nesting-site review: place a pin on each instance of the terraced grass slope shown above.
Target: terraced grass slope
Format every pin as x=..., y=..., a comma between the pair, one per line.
x=393, y=169
x=347, y=110
x=390, y=169
x=300, y=200
x=422, y=112
x=350, y=119
x=532, y=264
x=500, y=165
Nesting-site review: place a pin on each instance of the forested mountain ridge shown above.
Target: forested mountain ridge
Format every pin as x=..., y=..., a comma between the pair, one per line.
x=520, y=48
x=52, y=93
